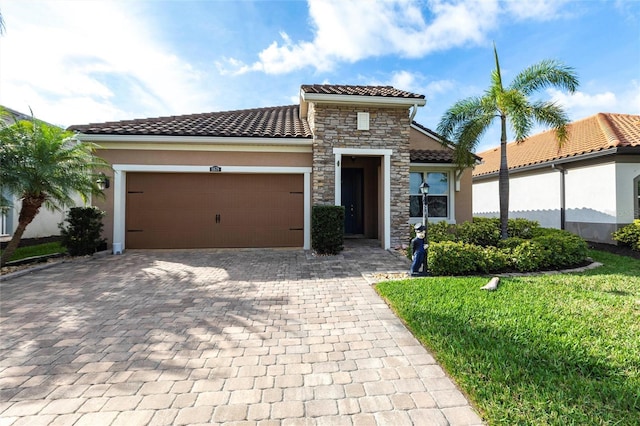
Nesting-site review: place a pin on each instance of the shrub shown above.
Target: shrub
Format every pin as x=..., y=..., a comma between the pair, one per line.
x=481, y=231
x=522, y=228
x=327, y=229
x=442, y=231
x=495, y=260
x=527, y=257
x=629, y=235
x=455, y=258
x=561, y=249
x=476, y=247
x=83, y=234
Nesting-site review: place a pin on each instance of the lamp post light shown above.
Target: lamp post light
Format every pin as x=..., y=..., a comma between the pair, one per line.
x=424, y=190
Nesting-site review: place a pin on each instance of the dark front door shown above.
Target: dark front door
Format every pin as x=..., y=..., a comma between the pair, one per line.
x=353, y=200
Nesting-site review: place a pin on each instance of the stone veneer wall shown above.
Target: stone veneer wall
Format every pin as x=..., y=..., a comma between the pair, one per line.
x=335, y=126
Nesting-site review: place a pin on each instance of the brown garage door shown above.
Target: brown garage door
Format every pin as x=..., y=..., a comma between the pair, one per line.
x=192, y=210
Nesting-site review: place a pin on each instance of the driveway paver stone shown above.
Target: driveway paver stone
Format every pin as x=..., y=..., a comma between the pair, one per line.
x=246, y=336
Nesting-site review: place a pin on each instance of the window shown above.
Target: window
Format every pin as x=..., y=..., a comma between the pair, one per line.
x=438, y=198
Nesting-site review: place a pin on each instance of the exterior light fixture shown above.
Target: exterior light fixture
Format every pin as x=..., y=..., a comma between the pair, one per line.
x=103, y=182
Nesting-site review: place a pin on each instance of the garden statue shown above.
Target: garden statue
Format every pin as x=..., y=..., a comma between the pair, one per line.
x=417, y=248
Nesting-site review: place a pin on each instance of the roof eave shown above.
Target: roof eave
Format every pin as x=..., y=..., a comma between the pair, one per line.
x=361, y=100
x=206, y=140
x=556, y=162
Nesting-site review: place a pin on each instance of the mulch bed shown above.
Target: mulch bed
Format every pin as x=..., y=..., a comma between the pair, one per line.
x=619, y=250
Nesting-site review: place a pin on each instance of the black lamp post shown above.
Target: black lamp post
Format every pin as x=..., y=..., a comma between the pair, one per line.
x=424, y=190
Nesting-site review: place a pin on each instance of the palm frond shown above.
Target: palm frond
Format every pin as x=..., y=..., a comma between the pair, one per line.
x=552, y=115
x=544, y=74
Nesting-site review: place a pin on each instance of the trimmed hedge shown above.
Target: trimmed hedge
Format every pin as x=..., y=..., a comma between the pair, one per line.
x=327, y=229
x=475, y=247
x=629, y=235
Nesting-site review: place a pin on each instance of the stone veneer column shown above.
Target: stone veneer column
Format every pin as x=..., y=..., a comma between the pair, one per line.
x=334, y=126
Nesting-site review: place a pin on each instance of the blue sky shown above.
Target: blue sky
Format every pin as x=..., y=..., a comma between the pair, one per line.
x=75, y=62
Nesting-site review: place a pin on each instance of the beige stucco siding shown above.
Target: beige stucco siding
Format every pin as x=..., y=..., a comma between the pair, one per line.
x=418, y=140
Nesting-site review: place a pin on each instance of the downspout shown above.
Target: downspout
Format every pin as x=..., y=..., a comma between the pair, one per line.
x=414, y=110
x=562, y=171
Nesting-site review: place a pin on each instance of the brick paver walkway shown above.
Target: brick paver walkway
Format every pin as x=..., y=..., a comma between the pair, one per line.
x=262, y=337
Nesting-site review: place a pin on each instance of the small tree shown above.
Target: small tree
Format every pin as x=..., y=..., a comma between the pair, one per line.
x=43, y=165
x=83, y=234
x=468, y=119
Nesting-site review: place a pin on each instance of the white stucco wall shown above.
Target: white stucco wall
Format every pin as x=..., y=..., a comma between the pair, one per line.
x=486, y=201
x=590, y=194
x=45, y=224
x=531, y=196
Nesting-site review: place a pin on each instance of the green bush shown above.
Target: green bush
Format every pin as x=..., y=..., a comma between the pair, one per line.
x=548, y=249
x=482, y=232
x=496, y=260
x=455, y=258
x=521, y=228
x=528, y=256
x=83, y=235
x=442, y=231
x=327, y=229
x=561, y=249
x=629, y=235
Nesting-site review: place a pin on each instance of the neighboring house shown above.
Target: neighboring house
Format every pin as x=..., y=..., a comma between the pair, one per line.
x=589, y=186
x=249, y=178
x=46, y=221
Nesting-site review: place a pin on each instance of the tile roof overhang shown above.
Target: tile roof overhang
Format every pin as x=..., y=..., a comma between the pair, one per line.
x=444, y=155
x=602, y=134
x=386, y=96
x=280, y=125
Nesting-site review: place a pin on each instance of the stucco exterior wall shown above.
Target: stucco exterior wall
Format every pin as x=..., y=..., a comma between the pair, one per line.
x=599, y=197
x=335, y=126
x=45, y=224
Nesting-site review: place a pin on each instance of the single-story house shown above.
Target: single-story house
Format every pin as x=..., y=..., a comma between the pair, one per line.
x=249, y=178
x=45, y=224
x=590, y=185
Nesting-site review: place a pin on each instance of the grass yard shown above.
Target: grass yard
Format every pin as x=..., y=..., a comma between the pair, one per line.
x=37, y=250
x=541, y=350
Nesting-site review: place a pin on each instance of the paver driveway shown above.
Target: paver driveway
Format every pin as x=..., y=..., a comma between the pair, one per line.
x=216, y=337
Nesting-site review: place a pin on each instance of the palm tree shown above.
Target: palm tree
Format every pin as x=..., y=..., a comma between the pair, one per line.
x=43, y=165
x=468, y=119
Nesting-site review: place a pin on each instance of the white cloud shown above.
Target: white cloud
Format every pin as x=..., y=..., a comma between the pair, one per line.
x=349, y=31
x=582, y=104
x=81, y=59
x=534, y=9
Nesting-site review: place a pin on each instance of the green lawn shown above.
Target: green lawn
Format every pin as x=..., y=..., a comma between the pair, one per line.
x=541, y=350
x=37, y=250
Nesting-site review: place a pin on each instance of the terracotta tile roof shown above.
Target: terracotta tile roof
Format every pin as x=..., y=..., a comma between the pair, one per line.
x=592, y=134
x=271, y=122
x=431, y=156
x=383, y=91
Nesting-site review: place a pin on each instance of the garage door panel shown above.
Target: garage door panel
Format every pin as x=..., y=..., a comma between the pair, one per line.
x=174, y=210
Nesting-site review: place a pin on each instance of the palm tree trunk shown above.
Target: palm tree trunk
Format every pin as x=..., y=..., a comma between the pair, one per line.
x=29, y=210
x=503, y=180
